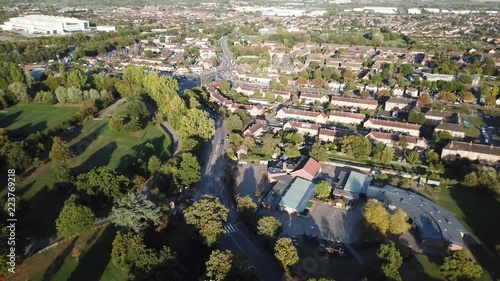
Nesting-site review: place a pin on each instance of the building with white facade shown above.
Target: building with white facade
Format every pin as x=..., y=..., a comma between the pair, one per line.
x=42, y=24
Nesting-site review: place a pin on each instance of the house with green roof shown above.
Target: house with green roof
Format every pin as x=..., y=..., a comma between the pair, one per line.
x=296, y=196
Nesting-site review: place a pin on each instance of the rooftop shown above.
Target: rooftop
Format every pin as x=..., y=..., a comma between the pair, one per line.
x=433, y=221
x=298, y=194
x=394, y=124
x=347, y=114
x=356, y=183
x=473, y=147
x=302, y=112
x=353, y=100
x=451, y=127
x=303, y=125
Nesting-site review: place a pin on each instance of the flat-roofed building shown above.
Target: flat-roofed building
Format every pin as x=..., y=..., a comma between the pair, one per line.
x=301, y=114
x=42, y=24
x=401, y=104
x=437, y=227
x=345, y=117
x=457, y=131
x=302, y=128
x=393, y=140
x=386, y=125
x=354, y=102
x=485, y=154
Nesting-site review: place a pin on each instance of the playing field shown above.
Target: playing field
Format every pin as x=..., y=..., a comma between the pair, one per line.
x=23, y=120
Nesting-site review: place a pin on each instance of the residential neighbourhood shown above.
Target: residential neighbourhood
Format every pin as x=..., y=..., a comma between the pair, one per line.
x=233, y=140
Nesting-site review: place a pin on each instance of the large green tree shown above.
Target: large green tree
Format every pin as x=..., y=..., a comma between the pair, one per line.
x=376, y=214
x=60, y=150
x=234, y=123
x=383, y=154
x=398, y=222
x=356, y=146
x=74, y=219
x=322, y=190
x=189, y=169
x=77, y=78
x=135, y=212
x=246, y=207
x=286, y=253
x=391, y=261
x=59, y=176
x=103, y=181
x=318, y=152
x=269, y=227
x=196, y=123
x=219, y=264
x=413, y=158
x=458, y=266
x=207, y=215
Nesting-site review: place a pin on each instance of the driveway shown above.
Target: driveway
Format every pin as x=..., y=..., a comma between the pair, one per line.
x=322, y=221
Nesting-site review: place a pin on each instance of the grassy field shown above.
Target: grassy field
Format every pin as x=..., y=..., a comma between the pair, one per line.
x=58, y=263
x=478, y=212
x=479, y=121
x=30, y=118
x=93, y=145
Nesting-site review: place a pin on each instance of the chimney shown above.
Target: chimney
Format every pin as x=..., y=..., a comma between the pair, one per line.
x=470, y=144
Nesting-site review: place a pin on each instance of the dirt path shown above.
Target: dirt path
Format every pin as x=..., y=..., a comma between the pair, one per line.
x=112, y=108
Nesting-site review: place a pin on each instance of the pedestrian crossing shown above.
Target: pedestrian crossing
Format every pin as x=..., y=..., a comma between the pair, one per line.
x=230, y=228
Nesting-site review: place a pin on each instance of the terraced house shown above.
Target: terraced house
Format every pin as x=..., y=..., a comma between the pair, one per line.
x=301, y=114
x=354, y=102
x=345, y=117
x=387, y=125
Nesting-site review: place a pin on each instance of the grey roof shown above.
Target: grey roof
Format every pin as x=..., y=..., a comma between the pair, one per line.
x=298, y=194
x=355, y=182
x=433, y=221
x=451, y=127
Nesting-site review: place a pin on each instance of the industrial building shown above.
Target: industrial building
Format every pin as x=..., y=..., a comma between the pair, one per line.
x=42, y=24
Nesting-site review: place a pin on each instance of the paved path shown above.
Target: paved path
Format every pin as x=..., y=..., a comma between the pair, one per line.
x=112, y=108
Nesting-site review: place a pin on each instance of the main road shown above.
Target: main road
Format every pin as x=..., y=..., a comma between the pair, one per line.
x=215, y=180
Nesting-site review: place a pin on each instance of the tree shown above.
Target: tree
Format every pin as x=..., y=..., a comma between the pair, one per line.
x=356, y=146
x=196, y=123
x=136, y=109
x=301, y=81
x=15, y=155
x=207, y=215
x=322, y=190
x=442, y=136
x=383, y=154
x=269, y=227
x=270, y=97
x=136, y=212
x=431, y=157
x=425, y=99
x=365, y=94
x=406, y=69
x=285, y=252
x=60, y=150
x=391, y=261
x=292, y=151
x=127, y=248
x=318, y=82
x=59, y=176
x=413, y=158
x=154, y=164
x=448, y=96
x=376, y=215
x=189, y=170
x=219, y=264
x=398, y=222
x=87, y=108
x=295, y=138
x=104, y=181
x=20, y=92
x=465, y=79
x=74, y=219
x=458, y=266
x=416, y=117
x=269, y=143
x=284, y=80
x=383, y=93
x=318, y=152
x=246, y=207
x=486, y=178
x=234, y=123
x=77, y=78
x=224, y=86
x=116, y=122
x=468, y=96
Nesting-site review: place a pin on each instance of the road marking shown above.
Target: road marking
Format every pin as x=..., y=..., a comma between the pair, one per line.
x=230, y=228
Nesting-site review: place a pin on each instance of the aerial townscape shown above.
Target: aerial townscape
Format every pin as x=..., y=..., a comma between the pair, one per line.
x=229, y=140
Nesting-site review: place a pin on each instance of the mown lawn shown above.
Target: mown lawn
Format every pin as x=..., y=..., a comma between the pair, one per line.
x=93, y=145
x=31, y=118
x=479, y=213
x=58, y=263
x=480, y=121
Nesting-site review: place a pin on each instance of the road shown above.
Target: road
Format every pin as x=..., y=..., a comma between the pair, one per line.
x=215, y=180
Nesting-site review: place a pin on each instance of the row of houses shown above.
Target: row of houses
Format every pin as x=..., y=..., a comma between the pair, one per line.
x=251, y=109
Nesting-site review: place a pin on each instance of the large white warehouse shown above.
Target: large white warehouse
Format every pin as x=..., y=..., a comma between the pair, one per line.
x=41, y=24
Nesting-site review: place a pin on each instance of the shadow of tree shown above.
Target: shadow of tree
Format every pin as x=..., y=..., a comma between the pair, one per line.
x=94, y=261
x=82, y=145
x=28, y=129
x=58, y=262
x=8, y=119
x=143, y=151
x=100, y=158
